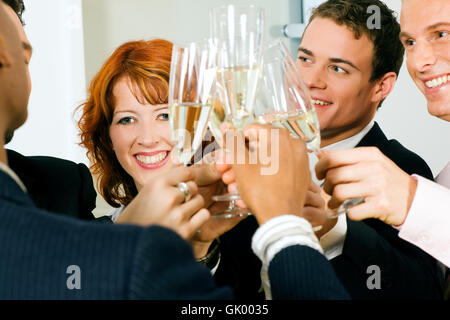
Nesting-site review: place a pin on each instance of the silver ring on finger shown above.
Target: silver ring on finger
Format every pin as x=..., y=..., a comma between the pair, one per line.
x=183, y=187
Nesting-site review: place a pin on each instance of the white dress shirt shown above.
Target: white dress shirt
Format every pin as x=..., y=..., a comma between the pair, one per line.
x=332, y=242
x=428, y=220
x=443, y=178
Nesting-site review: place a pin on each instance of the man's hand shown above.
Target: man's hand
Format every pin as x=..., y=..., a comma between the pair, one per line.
x=276, y=193
x=365, y=172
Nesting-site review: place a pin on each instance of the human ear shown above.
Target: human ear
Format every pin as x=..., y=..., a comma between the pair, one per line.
x=384, y=86
x=4, y=58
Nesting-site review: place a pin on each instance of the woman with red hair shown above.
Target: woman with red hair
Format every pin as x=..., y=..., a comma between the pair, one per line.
x=125, y=129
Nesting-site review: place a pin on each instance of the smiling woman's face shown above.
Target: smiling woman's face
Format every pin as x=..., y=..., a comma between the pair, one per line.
x=140, y=135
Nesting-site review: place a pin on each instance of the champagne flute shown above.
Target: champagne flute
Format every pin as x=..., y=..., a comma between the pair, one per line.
x=239, y=31
x=283, y=100
x=192, y=75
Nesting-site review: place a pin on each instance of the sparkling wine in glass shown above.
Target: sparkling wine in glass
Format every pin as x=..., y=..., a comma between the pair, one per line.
x=192, y=75
x=283, y=100
x=239, y=32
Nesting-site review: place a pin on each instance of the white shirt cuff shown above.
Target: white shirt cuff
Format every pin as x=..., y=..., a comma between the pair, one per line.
x=427, y=222
x=277, y=234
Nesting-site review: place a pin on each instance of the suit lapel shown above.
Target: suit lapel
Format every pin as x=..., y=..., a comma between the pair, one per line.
x=26, y=170
x=10, y=191
x=357, y=230
x=374, y=138
x=21, y=166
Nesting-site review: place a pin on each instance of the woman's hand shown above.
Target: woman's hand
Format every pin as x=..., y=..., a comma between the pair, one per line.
x=160, y=202
x=314, y=205
x=315, y=209
x=226, y=169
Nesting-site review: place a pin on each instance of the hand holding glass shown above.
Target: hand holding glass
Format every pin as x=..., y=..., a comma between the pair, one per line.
x=239, y=33
x=283, y=100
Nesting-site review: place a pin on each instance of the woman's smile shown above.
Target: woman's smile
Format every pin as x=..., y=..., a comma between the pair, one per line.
x=152, y=160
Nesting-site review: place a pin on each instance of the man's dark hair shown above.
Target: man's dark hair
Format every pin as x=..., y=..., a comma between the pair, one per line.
x=18, y=7
x=388, y=49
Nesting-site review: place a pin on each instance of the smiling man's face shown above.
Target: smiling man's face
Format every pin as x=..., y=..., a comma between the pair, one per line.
x=425, y=34
x=337, y=69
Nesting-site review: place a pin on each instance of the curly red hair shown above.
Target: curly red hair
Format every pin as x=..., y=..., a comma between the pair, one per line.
x=147, y=65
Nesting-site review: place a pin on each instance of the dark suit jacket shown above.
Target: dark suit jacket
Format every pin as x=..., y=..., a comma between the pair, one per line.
x=42, y=254
x=239, y=267
x=56, y=185
x=406, y=271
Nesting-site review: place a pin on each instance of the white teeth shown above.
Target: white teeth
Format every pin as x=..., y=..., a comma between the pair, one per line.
x=323, y=103
x=437, y=82
x=152, y=159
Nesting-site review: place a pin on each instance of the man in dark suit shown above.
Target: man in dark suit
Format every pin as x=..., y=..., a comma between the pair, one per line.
x=349, y=69
x=373, y=243
x=54, y=184
x=45, y=256
x=350, y=61
x=416, y=206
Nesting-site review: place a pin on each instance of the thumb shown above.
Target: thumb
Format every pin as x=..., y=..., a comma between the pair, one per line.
x=206, y=174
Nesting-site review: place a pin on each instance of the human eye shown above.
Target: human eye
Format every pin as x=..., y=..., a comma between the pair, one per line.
x=442, y=34
x=408, y=43
x=163, y=116
x=126, y=120
x=303, y=59
x=338, y=69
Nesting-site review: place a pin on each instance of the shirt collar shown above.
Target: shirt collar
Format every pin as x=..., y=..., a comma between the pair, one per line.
x=352, y=141
x=14, y=176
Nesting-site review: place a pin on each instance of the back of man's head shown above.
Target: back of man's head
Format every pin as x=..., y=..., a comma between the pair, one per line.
x=19, y=7
x=356, y=15
x=13, y=74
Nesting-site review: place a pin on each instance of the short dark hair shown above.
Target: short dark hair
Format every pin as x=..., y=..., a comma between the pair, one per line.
x=388, y=49
x=18, y=6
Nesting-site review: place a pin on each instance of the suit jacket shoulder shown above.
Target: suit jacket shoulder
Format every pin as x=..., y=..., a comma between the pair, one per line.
x=404, y=158
x=405, y=271
x=55, y=184
x=42, y=254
